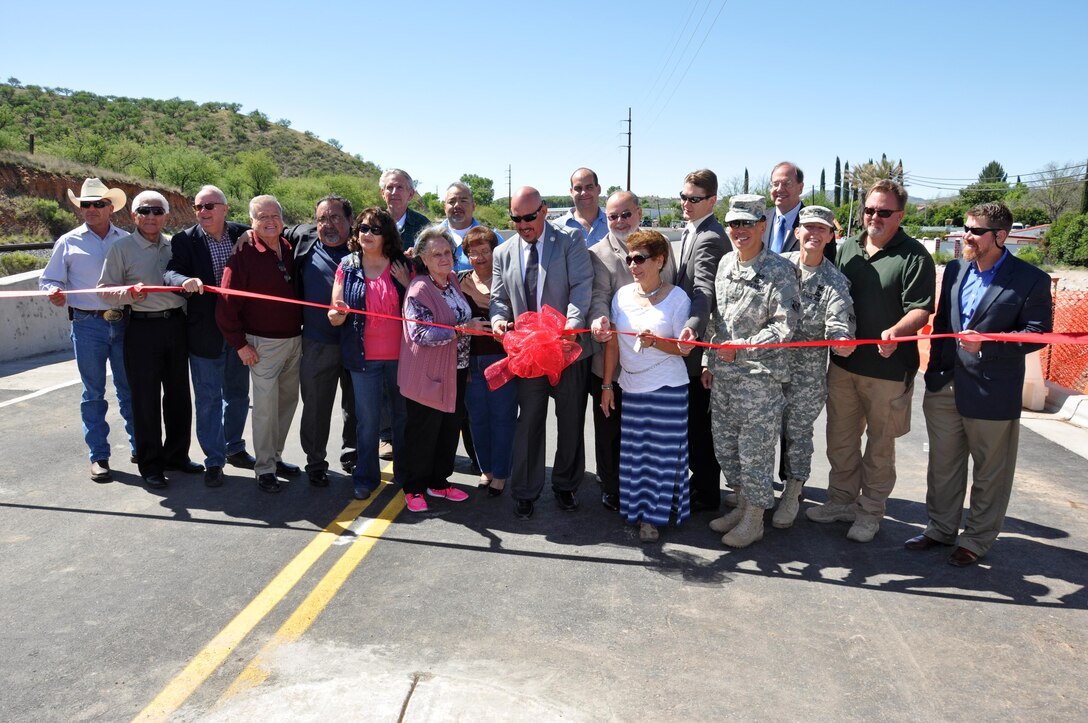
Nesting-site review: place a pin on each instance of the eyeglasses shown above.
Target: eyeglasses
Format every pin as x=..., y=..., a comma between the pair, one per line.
x=283, y=270
x=198, y=207
x=101, y=203
x=372, y=230
x=636, y=259
x=882, y=212
x=622, y=214
x=978, y=230
x=329, y=220
x=479, y=254
x=741, y=224
x=150, y=211
x=529, y=217
x=692, y=199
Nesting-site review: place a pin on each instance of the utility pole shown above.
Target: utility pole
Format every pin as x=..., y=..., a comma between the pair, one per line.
x=629, y=129
x=509, y=189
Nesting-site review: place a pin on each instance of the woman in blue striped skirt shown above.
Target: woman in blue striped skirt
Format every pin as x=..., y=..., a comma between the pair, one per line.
x=654, y=380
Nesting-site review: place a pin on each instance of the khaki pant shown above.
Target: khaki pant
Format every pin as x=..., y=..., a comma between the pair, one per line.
x=881, y=410
x=274, y=381
x=992, y=446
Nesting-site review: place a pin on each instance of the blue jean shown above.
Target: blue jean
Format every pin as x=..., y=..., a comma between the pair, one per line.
x=97, y=341
x=492, y=416
x=221, y=386
x=369, y=385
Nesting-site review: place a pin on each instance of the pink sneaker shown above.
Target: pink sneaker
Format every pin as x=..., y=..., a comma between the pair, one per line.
x=415, y=503
x=450, y=493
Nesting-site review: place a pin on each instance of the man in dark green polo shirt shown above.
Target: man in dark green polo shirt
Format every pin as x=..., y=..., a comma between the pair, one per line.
x=892, y=281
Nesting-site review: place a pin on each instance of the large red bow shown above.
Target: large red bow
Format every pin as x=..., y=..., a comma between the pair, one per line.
x=535, y=348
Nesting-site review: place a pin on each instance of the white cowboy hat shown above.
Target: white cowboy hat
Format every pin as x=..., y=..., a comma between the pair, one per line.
x=93, y=190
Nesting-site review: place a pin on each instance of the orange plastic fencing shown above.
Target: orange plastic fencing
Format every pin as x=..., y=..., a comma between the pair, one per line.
x=1067, y=364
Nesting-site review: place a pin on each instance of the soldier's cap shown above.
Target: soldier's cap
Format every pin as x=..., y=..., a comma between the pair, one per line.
x=817, y=214
x=746, y=207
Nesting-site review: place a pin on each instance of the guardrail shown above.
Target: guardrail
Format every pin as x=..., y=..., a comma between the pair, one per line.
x=41, y=246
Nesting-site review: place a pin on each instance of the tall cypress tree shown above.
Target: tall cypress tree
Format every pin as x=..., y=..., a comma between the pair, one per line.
x=746, y=180
x=823, y=182
x=1084, y=192
x=838, y=183
x=846, y=184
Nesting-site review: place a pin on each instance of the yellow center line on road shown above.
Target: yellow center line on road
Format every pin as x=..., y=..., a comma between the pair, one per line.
x=304, y=616
x=178, y=690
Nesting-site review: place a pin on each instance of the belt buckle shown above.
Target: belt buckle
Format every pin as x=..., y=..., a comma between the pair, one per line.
x=113, y=315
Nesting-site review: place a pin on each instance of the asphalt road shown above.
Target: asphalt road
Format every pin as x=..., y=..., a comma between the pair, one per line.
x=229, y=604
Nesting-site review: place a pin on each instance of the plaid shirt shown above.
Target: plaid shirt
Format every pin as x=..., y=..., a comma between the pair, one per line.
x=220, y=250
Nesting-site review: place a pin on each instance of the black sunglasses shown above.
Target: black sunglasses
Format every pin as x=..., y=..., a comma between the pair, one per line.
x=150, y=211
x=693, y=199
x=978, y=230
x=283, y=270
x=882, y=212
x=622, y=214
x=101, y=203
x=639, y=259
x=206, y=206
x=529, y=217
x=372, y=230
x=741, y=224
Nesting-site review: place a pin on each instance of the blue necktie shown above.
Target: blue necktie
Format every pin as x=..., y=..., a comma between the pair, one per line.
x=532, y=266
x=779, y=234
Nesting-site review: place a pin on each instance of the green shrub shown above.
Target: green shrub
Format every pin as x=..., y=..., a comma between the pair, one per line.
x=1032, y=254
x=55, y=218
x=942, y=258
x=1067, y=240
x=16, y=262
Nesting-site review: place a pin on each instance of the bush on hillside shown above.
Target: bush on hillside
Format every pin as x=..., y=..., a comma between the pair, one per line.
x=1032, y=254
x=1066, y=241
x=16, y=262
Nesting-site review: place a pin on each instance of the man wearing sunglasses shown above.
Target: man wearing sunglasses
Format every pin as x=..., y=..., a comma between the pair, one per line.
x=220, y=380
x=586, y=215
x=610, y=272
x=156, y=355
x=98, y=330
x=892, y=279
x=544, y=265
x=974, y=388
x=702, y=246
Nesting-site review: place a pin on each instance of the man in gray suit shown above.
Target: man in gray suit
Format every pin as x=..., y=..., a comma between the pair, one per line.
x=702, y=246
x=544, y=265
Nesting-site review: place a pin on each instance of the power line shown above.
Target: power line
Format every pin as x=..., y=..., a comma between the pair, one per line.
x=680, y=57
x=679, y=35
x=692, y=61
x=975, y=179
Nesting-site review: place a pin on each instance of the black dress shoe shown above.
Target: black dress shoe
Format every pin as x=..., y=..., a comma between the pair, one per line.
x=100, y=470
x=187, y=466
x=962, y=557
x=213, y=477
x=523, y=509
x=268, y=482
x=155, y=481
x=285, y=469
x=361, y=494
x=348, y=467
x=610, y=501
x=566, y=500
x=921, y=542
x=132, y=458
x=700, y=505
x=319, y=478
x=242, y=459
x=496, y=491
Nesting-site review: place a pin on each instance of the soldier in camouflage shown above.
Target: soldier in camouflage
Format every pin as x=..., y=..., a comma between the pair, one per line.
x=757, y=301
x=827, y=313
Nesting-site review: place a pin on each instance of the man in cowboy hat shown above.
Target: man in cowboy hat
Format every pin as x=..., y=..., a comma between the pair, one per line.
x=98, y=330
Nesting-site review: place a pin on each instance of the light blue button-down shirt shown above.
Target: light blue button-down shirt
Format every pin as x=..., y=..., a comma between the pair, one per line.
x=597, y=230
x=974, y=285
x=77, y=262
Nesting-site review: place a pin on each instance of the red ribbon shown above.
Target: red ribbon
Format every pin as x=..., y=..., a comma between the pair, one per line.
x=535, y=348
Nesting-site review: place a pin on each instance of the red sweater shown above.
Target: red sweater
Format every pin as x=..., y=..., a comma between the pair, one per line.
x=255, y=268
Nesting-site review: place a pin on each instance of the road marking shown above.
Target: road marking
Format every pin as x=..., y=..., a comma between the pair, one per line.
x=306, y=613
x=178, y=690
x=38, y=393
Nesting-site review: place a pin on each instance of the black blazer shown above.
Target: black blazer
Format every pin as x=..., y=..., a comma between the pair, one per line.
x=191, y=258
x=989, y=386
x=303, y=237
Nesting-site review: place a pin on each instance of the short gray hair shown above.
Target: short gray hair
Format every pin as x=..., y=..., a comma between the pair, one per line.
x=144, y=196
x=423, y=241
x=213, y=189
x=388, y=173
x=258, y=201
x=460, y=186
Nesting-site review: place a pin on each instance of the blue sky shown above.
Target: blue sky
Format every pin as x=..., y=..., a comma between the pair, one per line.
x=442, y=89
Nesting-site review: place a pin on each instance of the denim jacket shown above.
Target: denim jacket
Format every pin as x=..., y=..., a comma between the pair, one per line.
x=352, y=354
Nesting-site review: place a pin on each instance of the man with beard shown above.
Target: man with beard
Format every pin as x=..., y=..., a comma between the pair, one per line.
x=892, y=279
x=460, y=207
x=974, y=388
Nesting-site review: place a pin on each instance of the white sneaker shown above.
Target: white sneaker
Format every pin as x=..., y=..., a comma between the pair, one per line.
x=831, y=513
x=863, y=530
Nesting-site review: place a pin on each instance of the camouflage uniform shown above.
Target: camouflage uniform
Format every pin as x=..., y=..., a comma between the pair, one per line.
x=754, y=304
x=827, y=312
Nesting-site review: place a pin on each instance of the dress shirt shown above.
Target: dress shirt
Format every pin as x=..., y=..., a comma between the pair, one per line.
x=597, y=230
x=974, y=285
x=76, y=263
x=132, y=260
x=220, y=250
x=787, y=221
